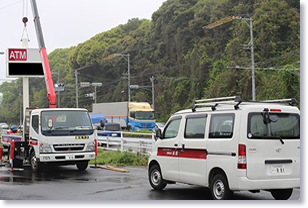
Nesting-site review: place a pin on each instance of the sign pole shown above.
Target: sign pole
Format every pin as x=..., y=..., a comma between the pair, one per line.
x=25, y=81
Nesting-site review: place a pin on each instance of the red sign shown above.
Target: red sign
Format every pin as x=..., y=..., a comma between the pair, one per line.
x=17, y=54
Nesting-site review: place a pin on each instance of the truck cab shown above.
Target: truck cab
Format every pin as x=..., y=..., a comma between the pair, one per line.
x=54, y=136
x=141, y=116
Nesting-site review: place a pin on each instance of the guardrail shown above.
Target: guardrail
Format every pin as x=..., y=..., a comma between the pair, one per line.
x=140, y=145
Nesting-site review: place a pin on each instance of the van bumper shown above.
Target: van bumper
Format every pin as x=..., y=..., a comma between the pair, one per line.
x=245, y=184
x=64, y=157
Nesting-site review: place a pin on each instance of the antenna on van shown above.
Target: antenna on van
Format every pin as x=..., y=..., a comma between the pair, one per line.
x=214, y=102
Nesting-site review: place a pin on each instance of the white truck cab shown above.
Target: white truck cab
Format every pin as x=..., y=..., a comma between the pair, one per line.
x=230, y=146
x=53, y=136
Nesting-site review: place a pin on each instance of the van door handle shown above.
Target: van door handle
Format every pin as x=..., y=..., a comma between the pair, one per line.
x=183, y=147
x=175, y=145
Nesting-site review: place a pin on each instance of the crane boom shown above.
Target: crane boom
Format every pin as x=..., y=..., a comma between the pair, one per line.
x=51, y=95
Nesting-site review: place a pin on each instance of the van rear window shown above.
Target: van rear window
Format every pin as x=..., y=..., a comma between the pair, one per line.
x=280, y=125
x=221, y=125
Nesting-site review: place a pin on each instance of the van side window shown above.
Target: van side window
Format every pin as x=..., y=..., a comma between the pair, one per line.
x=221, y=125
x=195, y=128
x=172, y=129
x=35, y=123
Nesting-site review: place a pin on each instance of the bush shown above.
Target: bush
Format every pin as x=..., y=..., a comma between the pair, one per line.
x=120, y=159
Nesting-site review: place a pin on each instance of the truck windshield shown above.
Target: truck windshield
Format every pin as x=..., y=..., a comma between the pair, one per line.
x=66, y=122
x=280, y=125
x=145, y=115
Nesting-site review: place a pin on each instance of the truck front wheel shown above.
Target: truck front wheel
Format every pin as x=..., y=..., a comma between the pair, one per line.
x=82, y=165
x=35, y=164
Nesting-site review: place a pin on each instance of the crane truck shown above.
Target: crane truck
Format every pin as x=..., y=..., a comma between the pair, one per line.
x=51, y=135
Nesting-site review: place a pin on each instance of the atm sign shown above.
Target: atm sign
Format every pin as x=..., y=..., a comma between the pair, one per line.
x=17, y=54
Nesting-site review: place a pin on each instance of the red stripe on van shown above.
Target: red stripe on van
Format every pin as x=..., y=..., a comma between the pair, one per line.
x=187, y=153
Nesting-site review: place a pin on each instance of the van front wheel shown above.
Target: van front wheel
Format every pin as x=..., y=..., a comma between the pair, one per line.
x=220, y=188
x=156, y=179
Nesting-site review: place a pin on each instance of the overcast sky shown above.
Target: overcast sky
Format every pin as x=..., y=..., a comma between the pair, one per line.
x=66, y=23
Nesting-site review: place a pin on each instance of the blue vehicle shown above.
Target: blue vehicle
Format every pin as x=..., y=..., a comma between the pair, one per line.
x=96, y=120
x=111, y=129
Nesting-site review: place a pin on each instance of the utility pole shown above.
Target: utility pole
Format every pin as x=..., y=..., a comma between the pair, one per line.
x=252, y=57
x=228, y=19
x=152, y=80
x=58, y=91
x=76, y=79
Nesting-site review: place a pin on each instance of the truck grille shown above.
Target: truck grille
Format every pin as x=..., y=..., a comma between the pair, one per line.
x=68, y=147
x=146, y=125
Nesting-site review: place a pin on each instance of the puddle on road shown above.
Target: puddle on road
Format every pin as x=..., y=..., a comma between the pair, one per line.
x=112, y=180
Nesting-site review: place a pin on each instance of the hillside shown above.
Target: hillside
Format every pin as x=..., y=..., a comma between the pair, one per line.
x=187, y=61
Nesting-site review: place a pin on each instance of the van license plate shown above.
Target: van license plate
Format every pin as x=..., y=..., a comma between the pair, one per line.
x=70, y=157
x=277, y=169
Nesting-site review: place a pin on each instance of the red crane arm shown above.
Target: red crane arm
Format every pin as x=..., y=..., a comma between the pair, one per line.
x=51, y=95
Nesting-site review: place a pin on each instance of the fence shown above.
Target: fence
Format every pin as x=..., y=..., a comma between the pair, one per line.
x=140, y=145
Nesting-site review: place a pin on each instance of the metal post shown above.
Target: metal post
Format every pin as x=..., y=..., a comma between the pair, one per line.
x=58, y=91
x=128, y=72
x=76, y=73
x=252, y=57
x=152, y=80
x=95, y=94
x=252, y=63
x=25, y=85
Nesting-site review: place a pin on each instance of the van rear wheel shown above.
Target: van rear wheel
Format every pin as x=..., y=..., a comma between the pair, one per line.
x=282, y=194
x=156, y=178
x=220, y=188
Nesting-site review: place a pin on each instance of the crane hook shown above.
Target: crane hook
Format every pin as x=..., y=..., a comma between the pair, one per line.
x=25, y=20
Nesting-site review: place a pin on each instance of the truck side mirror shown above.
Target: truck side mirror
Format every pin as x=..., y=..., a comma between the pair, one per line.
x=132, y=114
x=49, y=123
x=158, y=134
x=102, y=122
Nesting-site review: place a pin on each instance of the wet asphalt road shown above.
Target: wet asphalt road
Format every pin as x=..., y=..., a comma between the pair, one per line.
x=67, y=183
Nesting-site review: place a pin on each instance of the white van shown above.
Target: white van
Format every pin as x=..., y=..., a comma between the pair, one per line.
x=230, y=145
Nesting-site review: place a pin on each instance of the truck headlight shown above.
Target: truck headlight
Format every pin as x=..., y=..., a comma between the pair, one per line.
x=90, y=147
x=44, y=148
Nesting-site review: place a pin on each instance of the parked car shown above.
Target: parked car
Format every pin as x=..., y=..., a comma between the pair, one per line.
x=111, y=129
x=4, y=126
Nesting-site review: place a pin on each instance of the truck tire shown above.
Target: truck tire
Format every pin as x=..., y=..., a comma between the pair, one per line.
x=156, y=179
x=35, y=164
x=220, y=188
x=282, y=194
x=82, y=165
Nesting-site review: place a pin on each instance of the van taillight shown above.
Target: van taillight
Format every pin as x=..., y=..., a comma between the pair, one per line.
x=241, y=156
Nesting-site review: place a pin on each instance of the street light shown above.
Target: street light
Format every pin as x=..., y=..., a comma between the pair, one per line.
x=128, y=69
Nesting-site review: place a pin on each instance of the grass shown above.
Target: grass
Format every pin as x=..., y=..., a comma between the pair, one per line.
x=120, y=159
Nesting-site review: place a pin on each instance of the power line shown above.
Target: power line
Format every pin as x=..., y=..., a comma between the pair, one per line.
x=10, y=4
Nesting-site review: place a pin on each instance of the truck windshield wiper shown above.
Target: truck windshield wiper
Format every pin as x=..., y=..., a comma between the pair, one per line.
x=61, y=127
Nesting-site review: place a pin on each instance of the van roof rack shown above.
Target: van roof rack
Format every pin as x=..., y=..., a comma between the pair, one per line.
x=290, y=101
x=236, y=100
x=214, y=102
